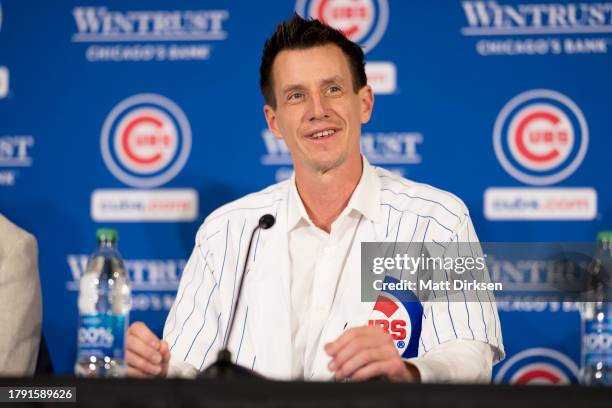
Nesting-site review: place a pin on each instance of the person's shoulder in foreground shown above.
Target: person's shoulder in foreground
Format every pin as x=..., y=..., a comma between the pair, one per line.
x=20, y=300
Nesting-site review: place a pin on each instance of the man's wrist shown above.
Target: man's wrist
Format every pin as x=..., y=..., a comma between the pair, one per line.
x=413, y=373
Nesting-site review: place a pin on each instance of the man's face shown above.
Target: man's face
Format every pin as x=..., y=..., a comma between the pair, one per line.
x=318, y=113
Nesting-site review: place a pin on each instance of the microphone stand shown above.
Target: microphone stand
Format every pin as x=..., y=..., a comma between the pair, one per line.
x=224, y=368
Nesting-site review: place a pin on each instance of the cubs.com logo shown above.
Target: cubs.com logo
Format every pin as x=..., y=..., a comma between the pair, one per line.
x=362, y=21
x=540, y=137
x=538, y=366
x=145, y=140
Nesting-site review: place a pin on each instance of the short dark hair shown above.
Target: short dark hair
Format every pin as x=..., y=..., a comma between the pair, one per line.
x=298, y=33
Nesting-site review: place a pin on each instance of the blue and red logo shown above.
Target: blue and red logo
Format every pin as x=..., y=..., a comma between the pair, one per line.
x=538, y=366
x=540, y=137
x=145, y=140
x=362, y=21
x=399, y=313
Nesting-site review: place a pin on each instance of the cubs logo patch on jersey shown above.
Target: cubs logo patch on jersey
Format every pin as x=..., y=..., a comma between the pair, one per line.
x=399, y=313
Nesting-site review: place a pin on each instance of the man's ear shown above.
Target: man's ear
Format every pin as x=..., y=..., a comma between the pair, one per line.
x=366, y=99
x=270, y=115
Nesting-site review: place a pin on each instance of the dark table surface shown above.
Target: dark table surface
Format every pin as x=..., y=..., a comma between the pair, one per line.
x=209, y=393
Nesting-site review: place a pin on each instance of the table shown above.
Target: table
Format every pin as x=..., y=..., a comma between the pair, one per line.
x=254, y=393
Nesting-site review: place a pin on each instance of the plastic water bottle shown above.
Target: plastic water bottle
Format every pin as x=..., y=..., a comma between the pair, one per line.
x=104, y=308
x=597, y=317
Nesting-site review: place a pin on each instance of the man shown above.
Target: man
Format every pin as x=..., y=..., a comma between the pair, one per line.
x=301, y=316
x=20, y=301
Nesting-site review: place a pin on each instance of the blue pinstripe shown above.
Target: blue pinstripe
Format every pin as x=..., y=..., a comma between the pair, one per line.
x=257, y=244
x=423, y=343
x=191, y=313
x=416, y=184
x=213, y=341
x=388, y=219
x=420, y=252
x=488, y=296
x=448, y=307
x=421, y=215
x=467, y=312
x=439, y=244
x=243, y=330
x=433, y=322
x=484, y=323
x=416, y=225
x=450, y=316
x=424, y=199
x=181, y=298
x=218, y=231
x=468, y=315
x=235, y=279
x=224, y=254
x=203, y=323
x=399, y=223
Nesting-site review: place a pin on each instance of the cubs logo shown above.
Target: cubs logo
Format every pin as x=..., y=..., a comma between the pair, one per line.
x=145, y=140
x=399, y=313
x=361, y=21
x=540, y=137
x=538, y=366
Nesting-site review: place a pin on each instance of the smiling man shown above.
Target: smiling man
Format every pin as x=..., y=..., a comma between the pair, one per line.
x=301, y=316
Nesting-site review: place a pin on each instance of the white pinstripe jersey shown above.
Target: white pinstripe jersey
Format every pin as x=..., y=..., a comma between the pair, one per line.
x=261, y=339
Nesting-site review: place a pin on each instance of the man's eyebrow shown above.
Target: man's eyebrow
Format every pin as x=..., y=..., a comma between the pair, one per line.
x=326, y=81
x=293, y=87
x=330, y=80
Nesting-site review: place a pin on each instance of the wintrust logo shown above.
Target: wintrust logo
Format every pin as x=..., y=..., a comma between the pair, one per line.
x=99, y=24
x=148, y=35
x=149, y=278
x=495, y=18
x=382, y=148
x=547, y=25
x=15, y=153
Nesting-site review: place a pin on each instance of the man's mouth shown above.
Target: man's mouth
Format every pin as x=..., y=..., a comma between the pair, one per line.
x=321, y=134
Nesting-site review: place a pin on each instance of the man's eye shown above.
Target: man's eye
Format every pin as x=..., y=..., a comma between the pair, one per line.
x=334, y=90
x=295, y=96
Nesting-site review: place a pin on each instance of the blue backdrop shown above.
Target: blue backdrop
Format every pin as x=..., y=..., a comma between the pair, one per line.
x=145, y=116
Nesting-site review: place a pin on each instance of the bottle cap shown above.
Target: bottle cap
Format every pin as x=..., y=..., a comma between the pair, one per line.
x=107, y=235
x=604, y=237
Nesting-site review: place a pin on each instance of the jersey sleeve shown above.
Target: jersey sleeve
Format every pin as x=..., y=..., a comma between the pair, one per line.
x=193, y=327
x=461, y=314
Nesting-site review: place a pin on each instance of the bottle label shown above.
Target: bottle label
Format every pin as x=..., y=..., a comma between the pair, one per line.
x=101, y=335
x=597, y=342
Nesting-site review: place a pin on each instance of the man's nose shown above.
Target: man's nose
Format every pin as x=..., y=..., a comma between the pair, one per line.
x=318, y=108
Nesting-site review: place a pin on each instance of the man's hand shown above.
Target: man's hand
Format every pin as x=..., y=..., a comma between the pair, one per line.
x=365, y=352
x=147, y=356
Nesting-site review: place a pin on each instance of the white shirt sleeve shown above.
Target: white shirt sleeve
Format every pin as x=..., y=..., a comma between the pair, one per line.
x=181, y=369
x=456, y=361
